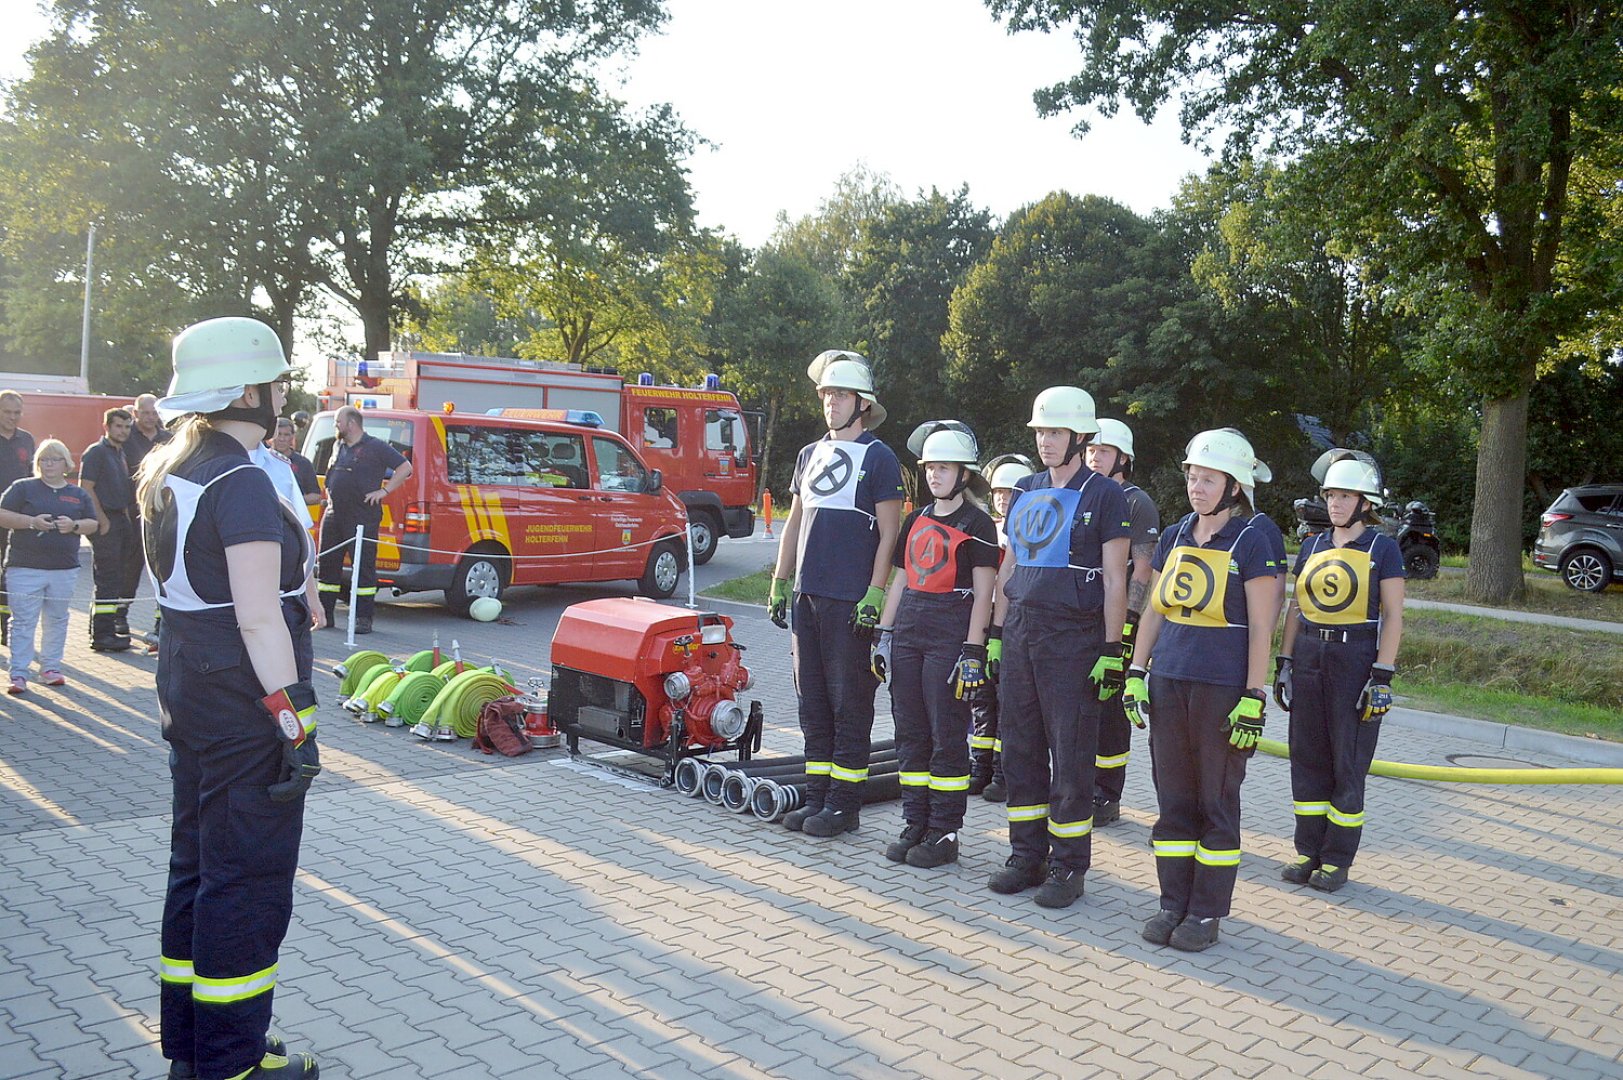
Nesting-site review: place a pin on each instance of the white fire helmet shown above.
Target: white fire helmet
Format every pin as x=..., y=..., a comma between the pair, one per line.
x=1068, y=408
x=841, y=369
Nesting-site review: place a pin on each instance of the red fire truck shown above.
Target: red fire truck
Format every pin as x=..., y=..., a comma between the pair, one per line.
x=697, y=438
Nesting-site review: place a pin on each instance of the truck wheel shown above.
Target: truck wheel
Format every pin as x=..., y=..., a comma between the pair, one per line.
x=478, y=574
x=1586, y=570
x=664, y=571
x=703, y=531
x=1421, y=561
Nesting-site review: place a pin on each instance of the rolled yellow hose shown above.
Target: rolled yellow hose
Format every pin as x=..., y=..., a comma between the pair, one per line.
x=353, y=671
x=457, y=706
x=1456, y=774
x=383, y=681
x=421, y=661
x=411, y=697
x=447, y=668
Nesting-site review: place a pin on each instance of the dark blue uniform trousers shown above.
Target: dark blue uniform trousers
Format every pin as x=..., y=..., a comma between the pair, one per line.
x=233, y=855
x=1197, y=782
x=836, y=687
x=1048, y=713
x=1330, y=747
x=932, y=725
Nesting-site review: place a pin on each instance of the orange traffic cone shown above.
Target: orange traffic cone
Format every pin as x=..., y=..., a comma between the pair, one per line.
x=766, y=510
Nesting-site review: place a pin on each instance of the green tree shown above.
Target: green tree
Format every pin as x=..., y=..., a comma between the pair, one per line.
x=1065, y=286
x=829, y=238
x=266, y=149
x=780, y=315
x=908, y=261
x=1443, y=139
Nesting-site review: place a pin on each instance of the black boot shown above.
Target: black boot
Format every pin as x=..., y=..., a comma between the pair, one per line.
x=121, y=622
x=938, y=848
x=185, y=1070
x=912, y=834
x=104, y=636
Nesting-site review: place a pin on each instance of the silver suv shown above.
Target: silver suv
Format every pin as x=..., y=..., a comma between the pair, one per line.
x=1580, y=537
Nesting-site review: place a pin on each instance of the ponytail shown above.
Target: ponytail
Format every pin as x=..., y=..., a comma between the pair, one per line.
x=164, y=459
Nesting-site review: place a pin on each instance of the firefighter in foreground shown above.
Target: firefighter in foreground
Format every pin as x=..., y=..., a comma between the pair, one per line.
x=235, y=698
x=931, y=641
x=985, y=749
x=1334, y=674
x=1205, y=639
x=364, y=471
x=1056, y=638
x=836, y=550
x=1111, y=454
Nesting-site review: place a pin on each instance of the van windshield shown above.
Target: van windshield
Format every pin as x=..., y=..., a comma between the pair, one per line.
x=318, y=441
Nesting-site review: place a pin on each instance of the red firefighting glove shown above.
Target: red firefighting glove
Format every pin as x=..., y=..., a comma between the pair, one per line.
x=292, y=710
x=1245, y=721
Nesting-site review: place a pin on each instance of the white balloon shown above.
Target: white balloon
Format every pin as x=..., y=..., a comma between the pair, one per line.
x=485, y=608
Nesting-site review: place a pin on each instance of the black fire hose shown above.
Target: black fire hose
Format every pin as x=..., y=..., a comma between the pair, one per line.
x=691, y=772
x=734, y=791
x=771, y=799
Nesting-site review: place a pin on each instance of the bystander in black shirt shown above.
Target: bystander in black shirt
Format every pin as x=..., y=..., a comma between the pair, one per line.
x=103, y=465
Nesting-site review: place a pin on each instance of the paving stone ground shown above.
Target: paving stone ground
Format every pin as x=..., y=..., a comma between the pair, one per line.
x=459, y=916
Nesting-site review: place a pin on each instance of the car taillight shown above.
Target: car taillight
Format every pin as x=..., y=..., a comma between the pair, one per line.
x=1550, y=519
x=416, y=520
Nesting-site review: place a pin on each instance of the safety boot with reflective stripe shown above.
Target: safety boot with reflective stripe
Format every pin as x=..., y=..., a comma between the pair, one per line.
x=1298, y=870
x=185, y=1070
x=1328, y=878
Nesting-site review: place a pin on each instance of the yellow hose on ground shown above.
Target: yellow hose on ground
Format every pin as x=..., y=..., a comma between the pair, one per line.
x=421, y=661
x=457, y=706
x=1461, y=775
x=383, y=680
x=354, y=670
x=410, y=698
x=447, y=668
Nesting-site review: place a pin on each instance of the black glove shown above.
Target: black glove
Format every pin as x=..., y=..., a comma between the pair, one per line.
x=1376, y=699
x=969, y=678
x=1129, y=631
x=292, y=710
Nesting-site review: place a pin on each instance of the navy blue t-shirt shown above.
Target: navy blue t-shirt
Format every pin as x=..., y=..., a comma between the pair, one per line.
x=16, y=457
x=45, y=550
x=359, y=469
x=840, y=485
x=1057, y=535
x=241, y=508
x=1201, y=595
x=103, y=464
x=1331, y=581
x=1278, y=558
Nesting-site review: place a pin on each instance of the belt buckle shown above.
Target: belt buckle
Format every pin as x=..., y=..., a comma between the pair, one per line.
x=1327, y=635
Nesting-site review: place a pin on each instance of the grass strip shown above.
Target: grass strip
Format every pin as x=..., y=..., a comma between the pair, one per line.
x=749, y=589
x=1545, y=677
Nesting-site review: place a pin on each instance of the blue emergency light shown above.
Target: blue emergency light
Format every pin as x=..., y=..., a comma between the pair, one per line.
x=712, y=381
x=645, y=379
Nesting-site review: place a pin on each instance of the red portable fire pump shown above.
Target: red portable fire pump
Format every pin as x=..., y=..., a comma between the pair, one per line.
x=658, y=680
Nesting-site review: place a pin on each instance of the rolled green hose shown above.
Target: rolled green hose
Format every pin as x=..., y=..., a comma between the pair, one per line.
x=383, y=681
x=457, y=706
x=421, y=661
x=1456, y=774
x=353, y=671
x=411, y=697
x=447, y=668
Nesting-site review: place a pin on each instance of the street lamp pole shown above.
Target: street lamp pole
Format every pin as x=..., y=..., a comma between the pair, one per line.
x=84, y=334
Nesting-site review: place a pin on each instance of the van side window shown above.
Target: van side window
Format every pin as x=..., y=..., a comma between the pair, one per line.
x=617, y=468
x=485, y=455
x=659, y=428
x=565, y=461
x=723, y=430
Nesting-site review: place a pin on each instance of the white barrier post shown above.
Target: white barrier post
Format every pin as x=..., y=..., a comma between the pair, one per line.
x=355, y=581
x=692, y=601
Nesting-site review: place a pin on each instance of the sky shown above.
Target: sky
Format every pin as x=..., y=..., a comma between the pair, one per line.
x=930, y=92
